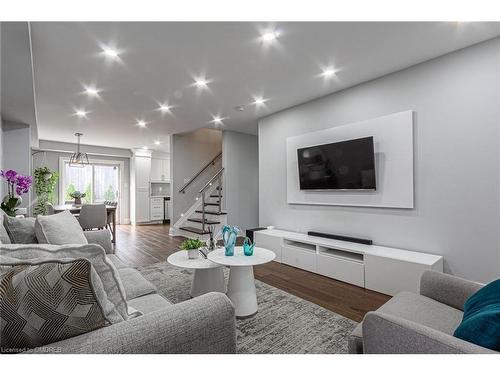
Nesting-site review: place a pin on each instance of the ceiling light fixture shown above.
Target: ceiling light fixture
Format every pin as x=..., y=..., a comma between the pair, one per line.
x=270, y=36
x=110, y=52
x=217, y=120
x=81, y=113
x=157, y=142
x=165, y=108
x=258, y=101
x=201, y=82
x=92, y=91
x=328, y=72
x=141, y=123
x=78, y=159
x=144, y=147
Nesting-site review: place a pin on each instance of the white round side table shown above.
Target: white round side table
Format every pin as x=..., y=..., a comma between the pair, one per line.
x=241, y=285
x=208, y=276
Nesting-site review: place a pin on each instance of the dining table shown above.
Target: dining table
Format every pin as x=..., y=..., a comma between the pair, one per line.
x=75, y=209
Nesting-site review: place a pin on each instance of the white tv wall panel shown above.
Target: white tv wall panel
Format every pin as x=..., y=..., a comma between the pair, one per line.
x=393, y=145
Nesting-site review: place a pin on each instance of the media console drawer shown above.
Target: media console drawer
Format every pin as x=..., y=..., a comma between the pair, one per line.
x=300, y=258
x=351, y=272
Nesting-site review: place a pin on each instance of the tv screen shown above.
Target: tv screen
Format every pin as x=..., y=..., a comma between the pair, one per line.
x=347, y=165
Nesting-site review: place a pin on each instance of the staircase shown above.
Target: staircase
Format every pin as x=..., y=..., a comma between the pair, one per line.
x=207, y=210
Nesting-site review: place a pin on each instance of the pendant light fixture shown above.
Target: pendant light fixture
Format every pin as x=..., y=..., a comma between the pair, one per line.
x=78, y=159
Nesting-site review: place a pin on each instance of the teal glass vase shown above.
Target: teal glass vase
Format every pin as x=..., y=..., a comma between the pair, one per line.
x=248, y=247
x=229, y=235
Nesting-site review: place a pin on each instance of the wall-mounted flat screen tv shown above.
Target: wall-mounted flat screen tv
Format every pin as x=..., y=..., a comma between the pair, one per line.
x=347, y=165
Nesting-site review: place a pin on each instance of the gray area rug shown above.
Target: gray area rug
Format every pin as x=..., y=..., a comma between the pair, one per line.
x=284, y=324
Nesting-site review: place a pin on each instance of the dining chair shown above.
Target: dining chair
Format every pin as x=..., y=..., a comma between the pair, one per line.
x=49, y=209
x=93, y=216
x=110, y=214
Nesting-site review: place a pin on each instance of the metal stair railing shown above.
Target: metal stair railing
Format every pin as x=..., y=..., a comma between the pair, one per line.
x=218, y=177
x=211, y=162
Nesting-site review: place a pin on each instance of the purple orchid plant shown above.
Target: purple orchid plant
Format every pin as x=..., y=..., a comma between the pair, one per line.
x=17, y=184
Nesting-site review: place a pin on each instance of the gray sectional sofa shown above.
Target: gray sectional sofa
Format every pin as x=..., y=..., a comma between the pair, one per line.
x=204, y=324
x=412, y=323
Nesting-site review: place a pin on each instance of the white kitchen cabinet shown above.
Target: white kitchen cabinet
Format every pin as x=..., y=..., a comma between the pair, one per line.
x=140, y=174
x=160, y=169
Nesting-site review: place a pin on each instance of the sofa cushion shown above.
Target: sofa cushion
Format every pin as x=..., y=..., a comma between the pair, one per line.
x=355, y=340
x=20, y=229
x=48, y=302
x=107, y=272
x=150, y=303
x=423, y=310
x=59, y=229
x=135, y=284
x=481, y=321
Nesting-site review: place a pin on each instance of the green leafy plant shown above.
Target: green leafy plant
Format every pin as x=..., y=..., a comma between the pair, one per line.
x=109, y=194
x=45, y=185
x=192, y=244
x=77, y=194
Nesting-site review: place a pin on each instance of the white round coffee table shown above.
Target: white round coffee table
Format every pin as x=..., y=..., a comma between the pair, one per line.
x=208, y=276
x=241, y=285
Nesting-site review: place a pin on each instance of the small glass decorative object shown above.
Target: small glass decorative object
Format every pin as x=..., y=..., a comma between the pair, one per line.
x=211, y=243
x=229, y=235
x=248, y=247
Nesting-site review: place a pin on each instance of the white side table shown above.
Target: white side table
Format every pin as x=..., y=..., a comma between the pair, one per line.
x=208, y=276
x=241, y=285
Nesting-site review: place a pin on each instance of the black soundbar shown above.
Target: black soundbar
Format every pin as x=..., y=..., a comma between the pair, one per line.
x=341, y=238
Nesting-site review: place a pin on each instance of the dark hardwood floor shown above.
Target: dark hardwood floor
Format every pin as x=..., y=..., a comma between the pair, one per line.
x=148, y=244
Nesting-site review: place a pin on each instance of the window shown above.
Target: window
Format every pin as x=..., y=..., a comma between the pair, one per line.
x=99, y=182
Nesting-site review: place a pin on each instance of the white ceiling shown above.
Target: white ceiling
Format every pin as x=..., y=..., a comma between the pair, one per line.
x=158, y=62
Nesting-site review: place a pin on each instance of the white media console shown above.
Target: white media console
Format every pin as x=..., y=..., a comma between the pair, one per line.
x=383, y=269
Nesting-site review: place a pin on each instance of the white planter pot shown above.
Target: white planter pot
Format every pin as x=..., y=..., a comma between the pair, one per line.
x=193, y=254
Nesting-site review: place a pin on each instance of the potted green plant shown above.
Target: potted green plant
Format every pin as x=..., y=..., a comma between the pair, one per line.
x=77, y=196
x=192, y=246
x=45, y=184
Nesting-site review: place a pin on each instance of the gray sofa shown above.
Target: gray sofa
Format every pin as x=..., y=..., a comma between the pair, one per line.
x=419, y=323
x=204, y=324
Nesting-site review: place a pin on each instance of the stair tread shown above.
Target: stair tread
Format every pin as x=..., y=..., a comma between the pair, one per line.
x=211, y=212
x=211, y=204
x=215, y=196
x=199, y=220
x=194, y=230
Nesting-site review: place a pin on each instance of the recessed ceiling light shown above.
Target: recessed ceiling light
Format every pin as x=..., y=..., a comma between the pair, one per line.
x=165, y=108
x=328, y=72
x=157, y=142
x=270, y=36
x=91, y=91
x=110, y=52
x=81, y=113
x=141, y=123
x=217, y=120
x=201, y=82
x=259, y=100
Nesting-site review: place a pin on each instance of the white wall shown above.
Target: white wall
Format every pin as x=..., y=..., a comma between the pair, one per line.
x=16, y=140
x=240, y=160
x=457, y=161
x=189, y=153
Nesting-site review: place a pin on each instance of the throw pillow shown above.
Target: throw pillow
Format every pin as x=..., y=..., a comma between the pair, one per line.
x=59, y=229
x=20, y=229
x=48, y=302
x=481, y=321
x=116, y=309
